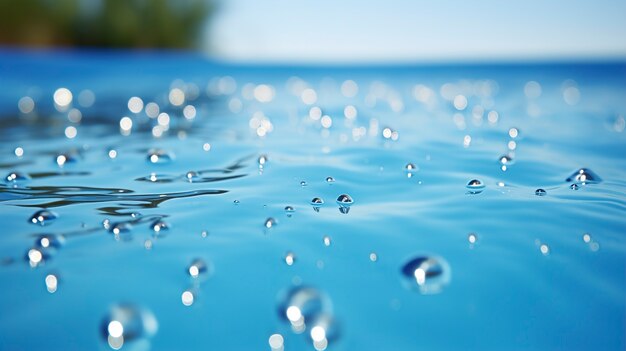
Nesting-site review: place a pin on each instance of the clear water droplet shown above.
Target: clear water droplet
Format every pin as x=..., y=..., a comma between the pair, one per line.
x=410, y=167
x=36, y=256
x=475, y=186
x=197, y=268
x=236, y=202
x=330, y=180
x=277, y=342
x=290, y=258
x=316, y=201
x=192, y=176
x=262, y=160
x=587, y=238
x=52, y=283
x=158, y=156
x=505, y=160
x=426, y=274
x=540, y=192
x=48, y=241
x=327, y=240
x=64, y=158
x=373, y=256
x=545, y=249
x=472, y=238
x=127, y=324
x=270, y=222
x=302, y=305
x=514, y=133
x=43, y=217
x=303, y=183
x=289, y=210
x=159, y=227
x=120, y=228
x=16, y=178
x=345, y=200
x=187, y=298
x=584, y=175
x=574, y=186
x=204, y=233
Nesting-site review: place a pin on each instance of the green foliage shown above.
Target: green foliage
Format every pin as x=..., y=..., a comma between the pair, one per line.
x=103, y=23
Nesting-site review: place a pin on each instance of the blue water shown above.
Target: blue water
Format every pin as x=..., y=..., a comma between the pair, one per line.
x=416, y=261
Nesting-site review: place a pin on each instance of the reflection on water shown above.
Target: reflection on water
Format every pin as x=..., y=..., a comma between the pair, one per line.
x=190, y=195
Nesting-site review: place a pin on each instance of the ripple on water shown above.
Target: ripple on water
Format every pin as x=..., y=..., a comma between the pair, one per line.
x=583, y=175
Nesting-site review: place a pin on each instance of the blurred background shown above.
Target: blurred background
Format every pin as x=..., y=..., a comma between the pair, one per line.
x=326, y=30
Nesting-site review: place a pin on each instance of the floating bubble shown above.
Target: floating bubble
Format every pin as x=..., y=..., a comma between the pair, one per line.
x=262, y=160
x=587, y=238
x=120, y=228
x=158, y=156
x=505, y=160
x=302, y=304
x=373, y=256
x=43, y=217
x=472, y=238
x=52, y=283
x=128, y=324
x=323, y=330
x=584, y=175
x=545, y=249
x=330, y=180
x=410, y=167
x=317, y=201
x=36, y=256
x=276, y=342
x=327, y=240
x=290, y=258
x=540, y=192
x=475, y=186
x=289, y=210
x=192, y=176
x=303, y=183
x=187, y=298
x=574, y=186
x=426, y=274
x=270, y=222
x=159, y=226
x=16, y=178
x=47, y=241
x=513, y=133
x=345, y=200
x=197, y=268
x=63, y=159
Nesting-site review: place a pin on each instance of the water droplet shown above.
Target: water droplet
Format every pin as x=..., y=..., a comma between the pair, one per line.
x=301, y=305
x=303, y=183
x=373, y=257
x=289, y=210
x=16, y=178
x=587, y=237
x=43, y=217
x=584, y=175
x=428, y=275
x=475, y=186
x=159, y=227
x=540, y=192
x=197, y=268
x=316, y=201
x=127, y=324
x=323, y=330
x=327, y=240
x=276, y=342
x=410, y=167
x=545, y=249
x=63, y=159
x=147, y=244
x=120, y=228
x=192, y=176
x=236, y=202
x=513, y=133
x=505, y=160
x=158, y=156
x=262, y=160
x=471, y=237
x=106, y=224
x=290, y=258
x=204, y=233
x=47, y=241
x=270, y=222
x=330, y=180
x=52, y=283
x=187, y=298
x=574, y=186
x=36, y=257
x=345, y=200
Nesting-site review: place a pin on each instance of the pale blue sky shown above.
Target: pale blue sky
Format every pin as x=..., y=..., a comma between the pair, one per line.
x=405, y=30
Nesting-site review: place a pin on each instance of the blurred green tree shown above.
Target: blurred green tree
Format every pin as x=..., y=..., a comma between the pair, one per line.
x=104, y=23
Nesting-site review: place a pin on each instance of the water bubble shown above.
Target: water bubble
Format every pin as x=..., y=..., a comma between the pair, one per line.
x=120, y=228
x=147, y=244
x=187, y=298
x=587, y=237
x=584, y=175
x=159, y=226
x=36, y=257
x=159, y=156
x=345, y=200
x=43, y=217
x=540, y=192
x=197, y=268
x=471, y=237
x=327, y=240
x=52, y=283
x=289, y=210
x=316, y=201
x=290, y=258
x=330, y=180
x=373, y=256
x=192, y=176
x=204, y=233
x=303, y=183
x=574, y=186
x=475, y=186
x=47, y=241
x=545, y=249
x=505, y=160
x=270, y=222
x=428, y=275
x=63, y=159
x=410, y=167
x=262, y=160
x=323, y=330
x=127, y=324
x=513, y=133
x=16, y=178
x=276, y=342
x=301, y=305
x=236, y=202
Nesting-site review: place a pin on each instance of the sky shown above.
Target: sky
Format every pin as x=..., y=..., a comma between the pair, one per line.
x=417, y=31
